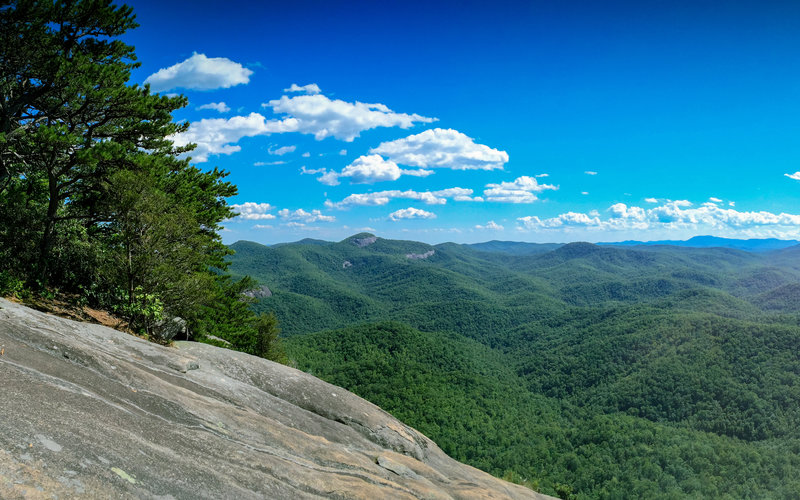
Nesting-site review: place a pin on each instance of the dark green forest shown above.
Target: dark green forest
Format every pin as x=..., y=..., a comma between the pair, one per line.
x=583, y=371
x=97, y=205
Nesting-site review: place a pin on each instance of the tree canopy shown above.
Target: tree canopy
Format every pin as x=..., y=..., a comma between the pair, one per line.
x=95, y=198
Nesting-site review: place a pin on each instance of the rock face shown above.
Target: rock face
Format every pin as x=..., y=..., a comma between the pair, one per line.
x=364, y=242
x=261, y=292
x=88, y=411
x=425, y=255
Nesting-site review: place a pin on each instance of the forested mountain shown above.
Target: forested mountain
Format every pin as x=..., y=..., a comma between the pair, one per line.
x=587, y=371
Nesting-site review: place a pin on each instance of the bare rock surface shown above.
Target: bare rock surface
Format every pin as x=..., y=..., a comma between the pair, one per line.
x=364, y=242
x=425, y=255
x=90, y=412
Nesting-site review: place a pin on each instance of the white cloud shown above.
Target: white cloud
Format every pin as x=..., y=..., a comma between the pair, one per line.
x=584, y=193
x=442, y=148
x=282, y=151
x=322, y=117
x=370, y=169
x=200, y=73
x=216, y=106
x=379, y=198
x=263, y=226
x=590, y=172
x=265, y=163
x=411, y=213
x=715, y=200
x=311, y=88
x=521, y=190
x=342, y=152
x=253, y=211
x=539, y=176
x=651, y=200
x=795, y=176
x=731, y=203
x=305, y=217
x=312, y=171
x=306, y=155
x=491, y=225
x=218, y=136
x=671, y=215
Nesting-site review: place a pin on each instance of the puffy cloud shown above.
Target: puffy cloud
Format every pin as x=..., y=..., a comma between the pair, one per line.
x=282, y=151
x=442, y=148
x=306, y=155
x=411, y=213
x=795, y=176
x=651, y=200
x=200, y=73
x=521, y=190
x=584, y=193
x=253, y=211
x=379, y=198
x=323, y=117
x=491, y=225
x=263, y=226
x=539, y=176
x=715, y=200
x=218, y=136
x=370, y=169
x=305, y=217
x=216, y=106
x=311, y=88
x=342, y=152
x=671, y=215
x=590, y=172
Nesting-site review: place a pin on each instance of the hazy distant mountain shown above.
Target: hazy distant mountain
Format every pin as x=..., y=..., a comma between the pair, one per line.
x=751, y=245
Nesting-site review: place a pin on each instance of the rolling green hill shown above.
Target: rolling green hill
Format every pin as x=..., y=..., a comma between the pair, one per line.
x=586, y=371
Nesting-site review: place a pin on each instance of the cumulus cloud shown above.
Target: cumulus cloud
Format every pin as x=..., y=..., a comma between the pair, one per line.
x=200, y=73
x=715, y=200
x=216, y=106
x=411, y=213
x=218, y=136
x=370, y=169
x=304, y=217
x=795, y=176
x=253, y=211
x=282, y=151
x=379, y=198
x=491, y=225
x=520, y=190
x=323, y=117
x=311, y=88
x=442, y=148
x=651, y=200
x=680, y=214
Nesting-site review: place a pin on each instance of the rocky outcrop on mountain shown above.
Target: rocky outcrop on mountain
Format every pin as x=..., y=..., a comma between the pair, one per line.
x=364, y=242
x=91, y=412
x=425, y=255
x=261, y=292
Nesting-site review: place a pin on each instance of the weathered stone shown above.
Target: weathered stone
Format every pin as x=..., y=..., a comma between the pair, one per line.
x=261, y=292
x=117, y=420
x=425, y=255
x=363, y=242
x=169, y=328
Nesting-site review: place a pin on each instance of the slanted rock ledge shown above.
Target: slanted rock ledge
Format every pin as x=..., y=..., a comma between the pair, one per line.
x=91, y=412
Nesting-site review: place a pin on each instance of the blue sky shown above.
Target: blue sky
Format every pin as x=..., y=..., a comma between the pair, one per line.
x=471, y=121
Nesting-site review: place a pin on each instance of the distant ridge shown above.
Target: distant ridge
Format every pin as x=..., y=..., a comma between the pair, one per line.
x=751, y=245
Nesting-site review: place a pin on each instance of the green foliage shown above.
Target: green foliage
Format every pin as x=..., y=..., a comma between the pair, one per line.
x=95, y=199
x=589, y=372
